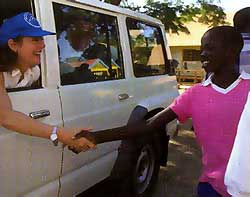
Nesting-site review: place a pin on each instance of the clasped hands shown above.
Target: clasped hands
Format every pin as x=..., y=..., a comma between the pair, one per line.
x=82, y=141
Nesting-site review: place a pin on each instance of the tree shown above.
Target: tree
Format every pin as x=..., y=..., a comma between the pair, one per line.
x=169, y=14
x=211, y=14
x=174, y=13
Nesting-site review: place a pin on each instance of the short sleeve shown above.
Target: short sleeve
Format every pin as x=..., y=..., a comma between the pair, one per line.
x=182, y=105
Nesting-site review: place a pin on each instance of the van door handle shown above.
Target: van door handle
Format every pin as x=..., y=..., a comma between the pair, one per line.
x=123, y=97
x=39, y=114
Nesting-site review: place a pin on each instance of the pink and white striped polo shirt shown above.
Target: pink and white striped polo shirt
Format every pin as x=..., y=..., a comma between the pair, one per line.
x=215, y=113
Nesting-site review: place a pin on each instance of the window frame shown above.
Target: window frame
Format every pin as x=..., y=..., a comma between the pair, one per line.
x=164, y=51
x=193, y=55
x=40, y=86
x=117, y=39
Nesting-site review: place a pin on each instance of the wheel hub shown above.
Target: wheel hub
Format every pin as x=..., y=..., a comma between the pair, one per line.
x=144, y=169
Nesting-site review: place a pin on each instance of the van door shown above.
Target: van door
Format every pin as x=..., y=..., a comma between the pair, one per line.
x=155, y=85
x=155, y=78
x=31, y=166
x=94, y=91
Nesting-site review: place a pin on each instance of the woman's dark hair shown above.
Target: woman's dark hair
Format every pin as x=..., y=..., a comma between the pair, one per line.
x=242, y=20
x=8, y=57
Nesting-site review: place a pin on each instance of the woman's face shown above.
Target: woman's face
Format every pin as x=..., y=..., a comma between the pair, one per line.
x=28, y=50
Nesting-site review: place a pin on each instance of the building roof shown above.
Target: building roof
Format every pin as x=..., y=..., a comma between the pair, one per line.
x=196, y=31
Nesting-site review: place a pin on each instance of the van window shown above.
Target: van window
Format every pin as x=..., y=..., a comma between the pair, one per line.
x=9, y=8
x=88, y=44
x=148, y=51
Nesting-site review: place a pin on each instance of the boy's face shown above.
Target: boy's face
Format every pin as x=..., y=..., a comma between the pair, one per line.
x=213, y=53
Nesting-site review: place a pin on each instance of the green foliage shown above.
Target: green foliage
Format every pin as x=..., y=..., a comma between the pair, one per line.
x=174, y=13
x=211, y=14
x=168, y=13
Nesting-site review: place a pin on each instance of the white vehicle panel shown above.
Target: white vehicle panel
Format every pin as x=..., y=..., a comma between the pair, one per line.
x=29, y=162
x=83, y=178
x=96, y=105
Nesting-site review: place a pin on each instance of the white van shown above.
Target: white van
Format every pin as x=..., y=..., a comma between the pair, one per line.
x=128, y=81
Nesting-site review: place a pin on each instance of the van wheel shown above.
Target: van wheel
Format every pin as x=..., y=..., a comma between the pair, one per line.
x=145, y=170
x=137, y=166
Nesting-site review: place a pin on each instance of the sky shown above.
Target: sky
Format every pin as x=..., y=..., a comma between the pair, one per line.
x=228, y=5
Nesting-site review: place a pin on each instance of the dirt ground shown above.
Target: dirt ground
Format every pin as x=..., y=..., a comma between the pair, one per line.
x=180, y=177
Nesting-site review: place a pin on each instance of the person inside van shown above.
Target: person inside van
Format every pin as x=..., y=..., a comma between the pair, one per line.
x=214, y=105
x=77, y=45
x=242, y=24
x=21, y=44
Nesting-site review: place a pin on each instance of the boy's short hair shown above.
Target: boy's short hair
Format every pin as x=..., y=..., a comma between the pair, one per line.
x=228, y=36
x=242, y=20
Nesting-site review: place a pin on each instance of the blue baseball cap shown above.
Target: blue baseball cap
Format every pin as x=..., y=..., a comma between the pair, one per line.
x=23, y=24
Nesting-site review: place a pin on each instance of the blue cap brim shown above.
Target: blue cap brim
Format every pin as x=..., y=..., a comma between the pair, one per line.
x=37, y=33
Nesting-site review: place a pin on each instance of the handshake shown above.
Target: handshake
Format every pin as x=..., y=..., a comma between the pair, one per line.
x=83, y=141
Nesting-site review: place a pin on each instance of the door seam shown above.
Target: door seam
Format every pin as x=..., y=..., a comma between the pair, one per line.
x=62, y=156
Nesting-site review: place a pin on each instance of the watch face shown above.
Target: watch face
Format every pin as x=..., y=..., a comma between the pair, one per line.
x=53, y=137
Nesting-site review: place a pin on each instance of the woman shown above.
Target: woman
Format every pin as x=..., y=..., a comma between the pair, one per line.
x=21, y=43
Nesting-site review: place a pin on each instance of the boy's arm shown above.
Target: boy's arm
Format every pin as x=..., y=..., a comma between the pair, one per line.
x=130, y=131
x=181, y=107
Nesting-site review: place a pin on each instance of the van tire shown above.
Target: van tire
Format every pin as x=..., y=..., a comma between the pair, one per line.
x=139, y=168
x=132, y=152
x=145, y=171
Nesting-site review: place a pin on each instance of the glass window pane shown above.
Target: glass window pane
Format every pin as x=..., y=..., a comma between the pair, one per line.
x=88, y=43
x=148, y=52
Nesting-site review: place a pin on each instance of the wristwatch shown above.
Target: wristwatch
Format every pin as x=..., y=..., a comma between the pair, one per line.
x=54, y=137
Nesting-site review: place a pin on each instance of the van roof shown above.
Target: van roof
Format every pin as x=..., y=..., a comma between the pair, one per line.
x=116, y=9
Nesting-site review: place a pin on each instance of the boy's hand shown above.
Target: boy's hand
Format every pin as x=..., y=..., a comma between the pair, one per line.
x=81, y=145
x=83, y=141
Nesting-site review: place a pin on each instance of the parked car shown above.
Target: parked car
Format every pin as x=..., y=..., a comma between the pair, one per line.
x=121, y=86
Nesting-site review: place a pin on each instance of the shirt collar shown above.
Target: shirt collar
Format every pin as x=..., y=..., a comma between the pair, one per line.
x=17, y=71
x=244, y=75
